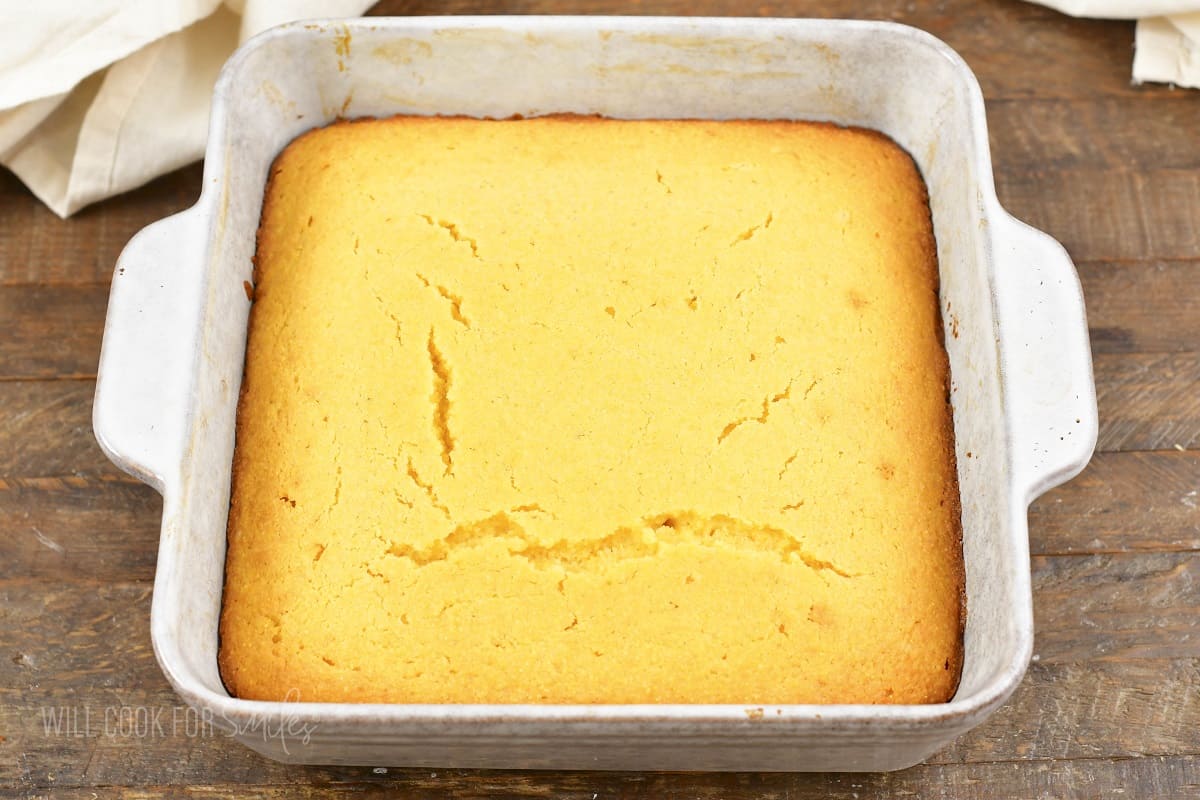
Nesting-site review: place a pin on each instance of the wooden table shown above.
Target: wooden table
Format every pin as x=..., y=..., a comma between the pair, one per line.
x=1111, y=704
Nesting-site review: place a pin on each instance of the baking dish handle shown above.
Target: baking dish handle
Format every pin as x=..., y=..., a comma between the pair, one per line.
x=150, y=340
x=1046, y=359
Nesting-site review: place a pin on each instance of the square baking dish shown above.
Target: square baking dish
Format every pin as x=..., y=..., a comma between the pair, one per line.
x=1022, y=388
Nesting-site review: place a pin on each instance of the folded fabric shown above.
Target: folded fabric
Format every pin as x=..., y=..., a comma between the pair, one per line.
x=99, y=98
x=1167, y=42
x=1168, y=49
x=1121, y=9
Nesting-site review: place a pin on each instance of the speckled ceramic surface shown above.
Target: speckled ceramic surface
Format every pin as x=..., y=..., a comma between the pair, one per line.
x=1022, y=388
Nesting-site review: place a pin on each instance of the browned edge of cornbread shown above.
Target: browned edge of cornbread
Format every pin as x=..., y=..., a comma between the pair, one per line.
x=951, y=494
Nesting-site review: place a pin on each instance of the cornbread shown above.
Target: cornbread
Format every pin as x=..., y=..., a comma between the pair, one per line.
x=571, y=410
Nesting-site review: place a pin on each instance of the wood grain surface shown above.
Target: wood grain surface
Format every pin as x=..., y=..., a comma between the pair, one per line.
x=1111, y=704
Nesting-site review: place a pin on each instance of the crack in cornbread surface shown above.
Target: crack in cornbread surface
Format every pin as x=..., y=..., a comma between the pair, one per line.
x=573, y=410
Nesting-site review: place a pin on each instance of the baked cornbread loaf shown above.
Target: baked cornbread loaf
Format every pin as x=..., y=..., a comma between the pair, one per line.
x=571, y=410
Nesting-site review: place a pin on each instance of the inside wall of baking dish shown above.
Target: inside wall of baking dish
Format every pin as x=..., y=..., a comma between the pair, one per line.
x=900, y=84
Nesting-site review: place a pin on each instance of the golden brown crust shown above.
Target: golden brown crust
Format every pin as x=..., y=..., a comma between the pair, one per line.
x=571, y=410
x=951, y=498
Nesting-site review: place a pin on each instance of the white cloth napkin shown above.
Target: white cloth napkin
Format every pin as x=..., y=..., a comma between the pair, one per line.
x=98, y=98
x=1167, y=42
x=1168, y=49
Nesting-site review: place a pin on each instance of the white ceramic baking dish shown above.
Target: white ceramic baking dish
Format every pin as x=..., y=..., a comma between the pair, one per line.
x=1023, y=395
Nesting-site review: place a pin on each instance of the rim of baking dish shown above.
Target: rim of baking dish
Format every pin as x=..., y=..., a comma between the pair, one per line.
x=697, y=719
